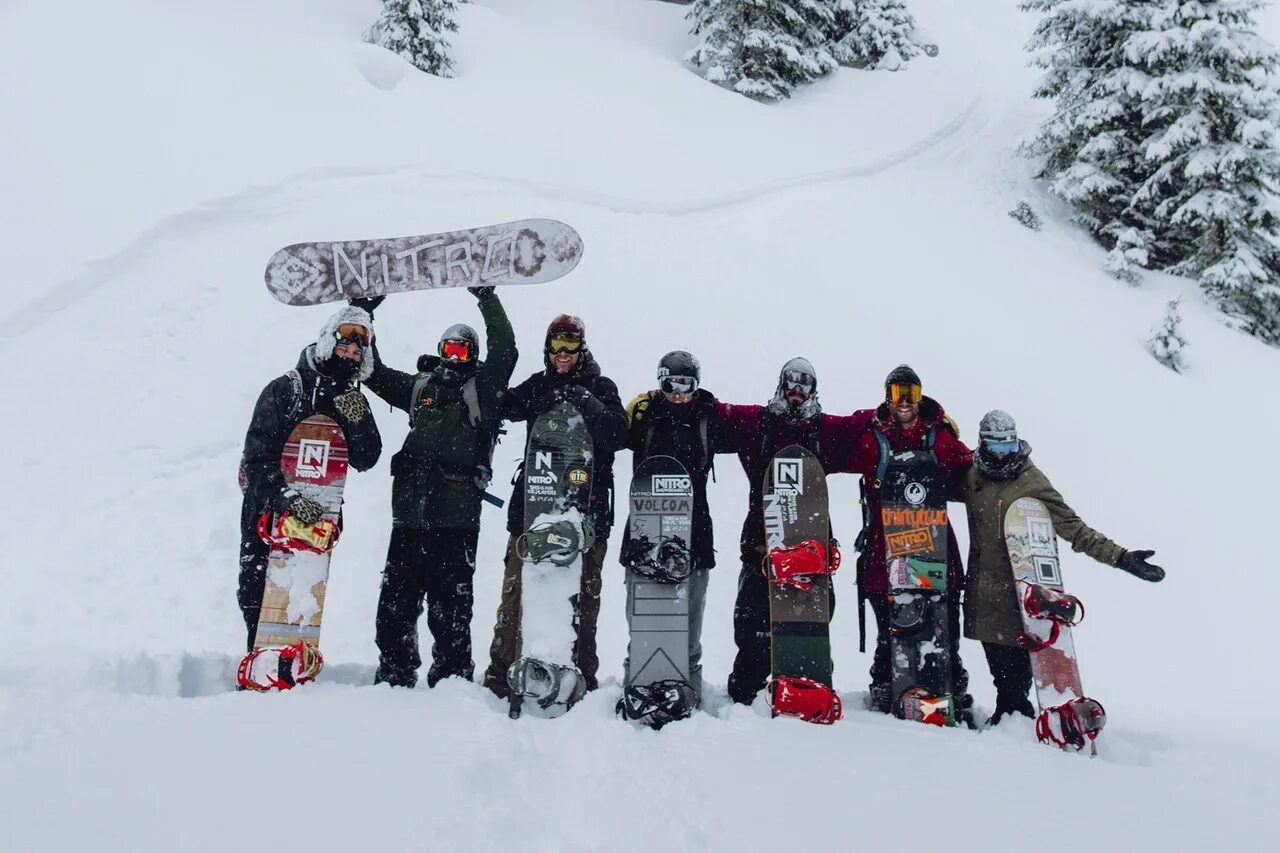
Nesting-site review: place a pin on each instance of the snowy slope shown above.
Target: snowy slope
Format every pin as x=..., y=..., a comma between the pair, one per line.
x=155, y=154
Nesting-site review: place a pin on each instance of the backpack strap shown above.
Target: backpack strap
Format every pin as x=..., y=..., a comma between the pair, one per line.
x=885, y=452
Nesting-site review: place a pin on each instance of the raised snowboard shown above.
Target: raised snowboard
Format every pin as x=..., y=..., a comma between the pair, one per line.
x=527, y=251
x=557, y=530
x=657, y=688
x=314, y=464
x=1067, y=717
x=914, y=517
x=799, y=562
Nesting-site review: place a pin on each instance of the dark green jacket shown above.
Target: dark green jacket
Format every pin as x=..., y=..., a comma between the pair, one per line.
x=453, y=416
x=991, y=606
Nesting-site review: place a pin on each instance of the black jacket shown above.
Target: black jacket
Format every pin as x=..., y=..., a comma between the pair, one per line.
x=606, y=421
x=690, y=433
x=283, y=404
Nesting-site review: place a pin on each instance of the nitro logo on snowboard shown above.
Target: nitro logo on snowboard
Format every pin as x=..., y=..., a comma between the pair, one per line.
x=543, y=473
x=668, y=484
x=788, y=476
x=313, y=459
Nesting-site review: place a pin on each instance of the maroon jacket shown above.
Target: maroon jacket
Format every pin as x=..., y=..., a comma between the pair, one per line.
x=830, y=437
x=954, y=459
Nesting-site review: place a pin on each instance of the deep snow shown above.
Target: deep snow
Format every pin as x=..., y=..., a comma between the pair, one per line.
x=156, y=154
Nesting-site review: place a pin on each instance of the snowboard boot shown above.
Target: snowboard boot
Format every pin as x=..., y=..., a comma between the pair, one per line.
x=658, y=703
x=1006, y=707
x=437, y=673
x=265, y=669
x=879, y=698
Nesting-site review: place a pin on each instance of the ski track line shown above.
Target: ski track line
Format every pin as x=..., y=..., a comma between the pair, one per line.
x=100, y=272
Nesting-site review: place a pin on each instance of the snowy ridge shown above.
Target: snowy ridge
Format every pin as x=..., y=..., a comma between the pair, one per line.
x=862, y=224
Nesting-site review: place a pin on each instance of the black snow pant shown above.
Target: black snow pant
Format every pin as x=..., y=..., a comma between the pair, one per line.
x=437, y=565
x=751, y=630
x=1011, y=672
x=253, y=581
x=882, y=669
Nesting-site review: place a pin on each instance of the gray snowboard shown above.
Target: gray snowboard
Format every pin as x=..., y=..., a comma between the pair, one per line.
x=658, y=560
x=527, y=251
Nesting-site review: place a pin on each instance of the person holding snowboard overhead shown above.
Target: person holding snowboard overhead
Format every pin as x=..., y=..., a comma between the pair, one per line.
x=1001, y=474
x=438, y=480
x=571, y=375
x=678, y=419
x=906, y=420
x=326, y=381
x=756, y=433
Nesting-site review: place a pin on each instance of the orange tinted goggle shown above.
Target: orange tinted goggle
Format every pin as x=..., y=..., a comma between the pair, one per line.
x=900, y=390
x=353, y=332
x=564, y=343
x=456, y=350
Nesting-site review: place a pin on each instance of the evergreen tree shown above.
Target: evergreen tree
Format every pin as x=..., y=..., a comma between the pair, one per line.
x=416, y=29
x=762, y=48
x=1167, y=343
x=1213, y=168
x=873, y=34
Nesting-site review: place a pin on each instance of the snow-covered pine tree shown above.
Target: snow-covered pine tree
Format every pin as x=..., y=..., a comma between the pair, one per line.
x=1210, y=111
x=762, y=48
x=1093, y=144
x=1166, y=342
x=873, y=34
x=416, y=29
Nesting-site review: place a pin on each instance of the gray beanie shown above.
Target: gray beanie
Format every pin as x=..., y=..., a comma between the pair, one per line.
x=997, y=425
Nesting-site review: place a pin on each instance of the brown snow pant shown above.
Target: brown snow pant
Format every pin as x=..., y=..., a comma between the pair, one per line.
x=506, y=630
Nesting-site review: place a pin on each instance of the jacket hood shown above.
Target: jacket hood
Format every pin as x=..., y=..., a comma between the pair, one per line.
x=322, y=350
x=1003, y=468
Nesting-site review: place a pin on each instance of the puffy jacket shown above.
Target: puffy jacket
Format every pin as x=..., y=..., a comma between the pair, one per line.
x=607, y=424
x=453, y=416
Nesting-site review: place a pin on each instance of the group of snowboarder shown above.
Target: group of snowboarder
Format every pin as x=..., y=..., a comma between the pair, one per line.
x=456, y=404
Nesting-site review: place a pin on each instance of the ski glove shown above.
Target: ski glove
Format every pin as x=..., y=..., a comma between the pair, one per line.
x=483, y=292
x=306, y=510
x=352, y=406
x=368, y=303
x=583, y=399
x=1135, y=563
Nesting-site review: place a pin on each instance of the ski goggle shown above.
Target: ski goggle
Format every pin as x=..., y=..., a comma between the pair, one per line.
x=564, y=343
x=678, y=385
x=899, y=391
x=1001, y=448
x=455, y=350
x=793, y=379
x=353, y=333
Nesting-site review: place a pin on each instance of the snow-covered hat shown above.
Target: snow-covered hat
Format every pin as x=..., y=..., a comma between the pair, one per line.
x=328, y=337
x=997, y=425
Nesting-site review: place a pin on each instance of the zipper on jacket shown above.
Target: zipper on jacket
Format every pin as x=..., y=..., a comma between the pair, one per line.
x=999, y=518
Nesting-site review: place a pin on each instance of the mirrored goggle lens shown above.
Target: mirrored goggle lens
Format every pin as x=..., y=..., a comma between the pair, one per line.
x=564, y=343
x=348, y=333
x=793, y=380
x=679, y=385
x=1000, y=448
x=459, y=350
x=901, y=391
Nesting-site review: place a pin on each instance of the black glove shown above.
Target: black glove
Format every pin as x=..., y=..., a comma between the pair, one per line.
x=351, y=406
x=368, y=303
x=1135, y=563
x=583, y=399
x=483, y=292
x=306, y=510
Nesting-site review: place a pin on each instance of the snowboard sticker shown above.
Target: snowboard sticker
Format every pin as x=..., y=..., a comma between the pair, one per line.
x=527, y=251
x=797, y=522
x=914, y=519
x=557, y=489
x=658, y=560
x=314, y=464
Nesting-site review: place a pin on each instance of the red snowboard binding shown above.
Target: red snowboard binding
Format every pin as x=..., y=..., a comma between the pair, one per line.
x=1072, y=724
x=268, y=669
x=805, y=698
x=799, y=564
x=1051, y=605
x=290, y=535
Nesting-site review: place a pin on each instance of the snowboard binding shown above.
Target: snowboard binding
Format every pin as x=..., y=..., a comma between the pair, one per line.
x=266, y=669
x=285, y=533
x=1073, y=724
x=798, y=565
x=1048, y=605
x=912, y=617
x=658, y=703
x=805, y=698
x=555, y=542
x=670, y=562
x=552, y=687
x=919, y=704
